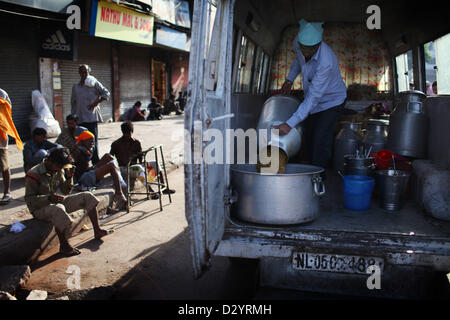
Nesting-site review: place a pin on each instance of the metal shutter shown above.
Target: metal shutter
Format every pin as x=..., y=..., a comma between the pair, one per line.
x=96, y=52
x=19, y=65
x=134, y=76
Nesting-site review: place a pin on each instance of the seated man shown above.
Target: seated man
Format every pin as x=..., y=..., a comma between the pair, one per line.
x=169, y=106
x=127, y=149
x=136, y=113
x=154, y=110
x=67, y=136
x=36, y=149
x=88, y=176
x=41, y=185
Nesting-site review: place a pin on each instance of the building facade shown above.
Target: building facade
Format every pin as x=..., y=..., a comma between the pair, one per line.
x=136, y=49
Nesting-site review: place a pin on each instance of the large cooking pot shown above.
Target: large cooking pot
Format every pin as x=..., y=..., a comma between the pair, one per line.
x=278, y=199
x=277, y=110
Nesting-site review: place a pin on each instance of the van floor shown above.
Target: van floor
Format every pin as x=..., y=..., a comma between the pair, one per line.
x=333, y=216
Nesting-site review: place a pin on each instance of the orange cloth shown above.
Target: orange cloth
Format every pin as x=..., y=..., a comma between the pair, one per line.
x=85, y=135
x=7, y=126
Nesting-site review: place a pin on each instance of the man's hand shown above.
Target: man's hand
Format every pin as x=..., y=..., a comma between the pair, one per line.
x=92, y=106
x=286, y=88
x=284, y=128
x=55, y=198
x=69, y=172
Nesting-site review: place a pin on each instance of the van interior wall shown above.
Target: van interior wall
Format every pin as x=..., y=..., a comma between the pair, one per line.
x=404, y=23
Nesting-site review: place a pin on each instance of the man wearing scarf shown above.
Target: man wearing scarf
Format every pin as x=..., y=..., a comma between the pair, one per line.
x=88, y=176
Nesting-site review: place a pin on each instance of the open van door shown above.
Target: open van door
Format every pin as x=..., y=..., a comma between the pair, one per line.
x=207, y=116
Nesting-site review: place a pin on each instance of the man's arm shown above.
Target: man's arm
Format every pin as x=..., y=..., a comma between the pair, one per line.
x=319, y=85
x=103, y=95
x=27, y=156
x=66, y=185
x=33, y=199
x=294, y=71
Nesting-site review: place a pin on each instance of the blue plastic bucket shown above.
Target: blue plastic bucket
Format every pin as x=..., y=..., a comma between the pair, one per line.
x=358, y=192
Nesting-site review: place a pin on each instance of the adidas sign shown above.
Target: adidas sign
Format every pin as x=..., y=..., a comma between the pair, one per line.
x=56, y=42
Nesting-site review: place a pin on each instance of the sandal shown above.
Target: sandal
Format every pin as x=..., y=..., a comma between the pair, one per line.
x=6, y=199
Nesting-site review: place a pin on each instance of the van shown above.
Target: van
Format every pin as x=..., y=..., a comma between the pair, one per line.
x=241, y=51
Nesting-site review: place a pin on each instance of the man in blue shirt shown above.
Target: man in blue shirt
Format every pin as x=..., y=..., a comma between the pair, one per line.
x=325, y=91
x=36, y=149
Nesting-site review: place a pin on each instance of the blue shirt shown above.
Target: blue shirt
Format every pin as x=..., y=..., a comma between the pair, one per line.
x=29, y=150
x=322, y=82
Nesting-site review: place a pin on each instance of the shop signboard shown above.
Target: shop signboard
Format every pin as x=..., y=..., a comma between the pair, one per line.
x=57, y=42
x=116, y=22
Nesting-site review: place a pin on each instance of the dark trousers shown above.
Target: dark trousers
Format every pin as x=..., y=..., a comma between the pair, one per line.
x=319, y=134
x=93, y=128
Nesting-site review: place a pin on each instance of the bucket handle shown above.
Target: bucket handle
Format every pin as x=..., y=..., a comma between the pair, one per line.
x=319, y=186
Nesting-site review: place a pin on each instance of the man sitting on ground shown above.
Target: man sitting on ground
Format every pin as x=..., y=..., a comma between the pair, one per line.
x=41, y=185
x=169, y=106
x=88, y=176
x=68, y=135
x=136, y=114
x=36, y=149
x=127, y=149
x=154, y=110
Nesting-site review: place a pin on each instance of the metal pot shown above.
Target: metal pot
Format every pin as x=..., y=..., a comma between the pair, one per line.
x=278, y=199
x=346, y=143
x=276, y=110
x=376, y=135
x=359, y=166
x=408, y=126
x=391, y=186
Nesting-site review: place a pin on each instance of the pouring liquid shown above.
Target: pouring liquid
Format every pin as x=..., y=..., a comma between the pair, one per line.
x=265, y=166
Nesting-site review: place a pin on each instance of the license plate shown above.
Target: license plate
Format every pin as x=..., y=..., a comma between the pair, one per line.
x=334, y=263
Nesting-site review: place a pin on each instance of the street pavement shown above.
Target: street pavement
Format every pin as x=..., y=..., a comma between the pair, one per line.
x=148, y=255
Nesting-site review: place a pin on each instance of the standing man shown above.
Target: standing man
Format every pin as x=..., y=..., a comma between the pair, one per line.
x=325, y=91
x=86, y=98
x=6, y=128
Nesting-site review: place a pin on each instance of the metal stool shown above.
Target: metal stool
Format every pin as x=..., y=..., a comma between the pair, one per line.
x=142, y=160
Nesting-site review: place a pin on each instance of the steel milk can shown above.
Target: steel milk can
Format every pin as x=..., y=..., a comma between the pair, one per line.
x=375, y=137
x=346, y=142
x=409, y=126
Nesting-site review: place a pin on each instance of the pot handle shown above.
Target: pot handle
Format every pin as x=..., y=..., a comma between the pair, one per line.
x=319, y=186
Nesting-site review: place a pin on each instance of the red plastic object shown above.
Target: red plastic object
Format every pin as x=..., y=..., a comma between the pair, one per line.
x=383, y=159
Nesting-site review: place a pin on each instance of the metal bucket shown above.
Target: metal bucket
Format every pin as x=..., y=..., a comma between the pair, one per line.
x=359, y=166
x=277, y=199
x=391, y=186
x=277, y=110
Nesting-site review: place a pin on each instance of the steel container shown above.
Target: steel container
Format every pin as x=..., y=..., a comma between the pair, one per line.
x=408, y=127
x=391, y=186
x=277, y=110
x=346, y=143
x=277, y=199
x=376, y=135
x=359, y=166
